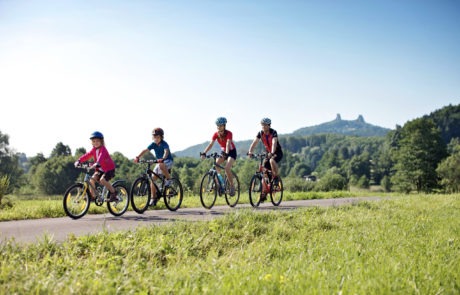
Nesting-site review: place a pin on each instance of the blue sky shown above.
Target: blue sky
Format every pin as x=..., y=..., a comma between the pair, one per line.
x=68, y=68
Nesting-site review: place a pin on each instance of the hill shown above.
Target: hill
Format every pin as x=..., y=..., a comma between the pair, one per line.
x=357, y=127
x=448, y=121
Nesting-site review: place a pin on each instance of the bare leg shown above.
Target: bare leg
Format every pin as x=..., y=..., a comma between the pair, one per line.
x=228, y=170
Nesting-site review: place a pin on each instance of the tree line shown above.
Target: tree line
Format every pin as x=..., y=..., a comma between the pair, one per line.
x=422, y=156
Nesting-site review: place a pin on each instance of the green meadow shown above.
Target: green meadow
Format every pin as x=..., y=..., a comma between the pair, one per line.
x=403, y=245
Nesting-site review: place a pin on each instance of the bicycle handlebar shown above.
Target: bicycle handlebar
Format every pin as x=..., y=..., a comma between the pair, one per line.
x=260, y=156
x=86, y=166
x=148, y=161
x=213, y=155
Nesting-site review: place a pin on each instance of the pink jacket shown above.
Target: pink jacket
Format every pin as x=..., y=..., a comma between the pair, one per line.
x=101, y=156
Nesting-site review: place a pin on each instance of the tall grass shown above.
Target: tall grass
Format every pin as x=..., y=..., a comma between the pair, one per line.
x=407, y=245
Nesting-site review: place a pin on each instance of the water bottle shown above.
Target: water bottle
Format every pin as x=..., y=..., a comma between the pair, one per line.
x=221, y=180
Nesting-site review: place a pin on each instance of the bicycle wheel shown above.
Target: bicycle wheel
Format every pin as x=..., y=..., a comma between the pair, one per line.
x=120, y=206
x=76, y=200
x=208, y=191
x=173, y=195
x=140, y=194
x=276, y=192
x=255, y=190
x=232, y=200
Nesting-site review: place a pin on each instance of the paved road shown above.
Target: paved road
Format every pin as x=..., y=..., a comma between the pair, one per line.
x=29, y=231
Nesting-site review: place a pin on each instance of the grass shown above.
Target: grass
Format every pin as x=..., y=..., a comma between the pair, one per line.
x=405, y=245
x=51, y=206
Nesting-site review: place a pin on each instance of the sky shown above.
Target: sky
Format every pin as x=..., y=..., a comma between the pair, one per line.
x=68, y=68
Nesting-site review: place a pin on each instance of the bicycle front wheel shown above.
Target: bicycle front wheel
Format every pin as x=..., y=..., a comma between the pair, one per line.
x=255, y=190
x=173, y=195
x=276, y=191
x=140, y=194
x=208, y=191
x=76, y=200
x=232, y=199
x=118, y=207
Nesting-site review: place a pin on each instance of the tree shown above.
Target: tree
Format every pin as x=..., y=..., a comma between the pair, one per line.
x=55, y=175
x=4, y=184
x=61, y=150
x=449, y=169
x=419, y=150
x=9, y=163
x=300, y=169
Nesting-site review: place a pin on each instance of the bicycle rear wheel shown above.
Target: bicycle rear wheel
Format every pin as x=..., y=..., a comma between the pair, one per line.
x=120, y=206
x=255, y=190
x=140, y=194
x=232, y=200
x=208, y=190
x=76, y=200
x=276, y=191
x=173, y=195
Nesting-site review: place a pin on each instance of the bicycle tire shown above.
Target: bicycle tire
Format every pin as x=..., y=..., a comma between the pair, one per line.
x=208, y=190
x=76, y=201
x=276, y=192
x=140, y=194
x=119, y=207
x=173, y=195
x=232, y=200
x=255, y=190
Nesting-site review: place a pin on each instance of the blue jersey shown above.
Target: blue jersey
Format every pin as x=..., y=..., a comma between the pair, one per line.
x=160, y=149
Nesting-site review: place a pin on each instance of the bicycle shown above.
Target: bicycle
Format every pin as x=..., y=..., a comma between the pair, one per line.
x=141, y=192
x=263, y=184
x=77, y=197
x=211, y=185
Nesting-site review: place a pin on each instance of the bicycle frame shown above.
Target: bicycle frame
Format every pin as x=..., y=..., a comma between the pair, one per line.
x=263, y=173
x=213, y=171
x=101, y=192
x=149, y=173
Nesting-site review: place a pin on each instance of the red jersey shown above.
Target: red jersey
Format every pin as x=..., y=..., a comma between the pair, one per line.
x=223, y=140
x=267, y=140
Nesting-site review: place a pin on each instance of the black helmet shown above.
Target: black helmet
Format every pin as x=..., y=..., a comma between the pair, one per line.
x=158, y=131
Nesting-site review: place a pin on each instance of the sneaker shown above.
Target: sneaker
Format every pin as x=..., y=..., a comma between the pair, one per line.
x=153, y=201
x=232, y=191
x=168, y=182
x=113, y=197
x=276, y=181
x=263, y=197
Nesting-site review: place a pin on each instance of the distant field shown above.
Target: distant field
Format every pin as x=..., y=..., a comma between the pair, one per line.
x=405, y=245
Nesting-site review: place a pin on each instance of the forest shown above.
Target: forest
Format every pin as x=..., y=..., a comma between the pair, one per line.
x=421, y=156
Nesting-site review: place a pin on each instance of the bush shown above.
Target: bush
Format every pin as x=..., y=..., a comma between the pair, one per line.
x=331, y=182
x=295, y=184
x=4, y=185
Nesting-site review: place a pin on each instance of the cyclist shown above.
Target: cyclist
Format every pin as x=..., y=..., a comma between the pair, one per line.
x=103, y=165
x=224, y=138
x=269, y=139
x=164, y=158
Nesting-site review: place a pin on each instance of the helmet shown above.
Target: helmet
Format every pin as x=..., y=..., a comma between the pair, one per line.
x=266, y=121
x=158, y=131
x=96, y=134
x=221, y=121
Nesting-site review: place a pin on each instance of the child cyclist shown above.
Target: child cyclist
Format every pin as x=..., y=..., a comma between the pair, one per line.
x=269, y=139
x=164, y=158
x=103, y=165
x=225, y=139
